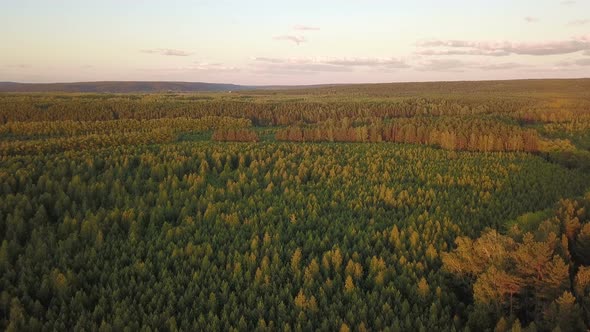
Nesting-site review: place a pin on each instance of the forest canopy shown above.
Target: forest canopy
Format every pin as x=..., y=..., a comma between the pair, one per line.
x=440, y=206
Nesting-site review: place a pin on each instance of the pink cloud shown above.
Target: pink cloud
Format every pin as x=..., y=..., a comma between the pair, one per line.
x=167, y=52
x=305, y=28
x=504, y=48
x=296, y=39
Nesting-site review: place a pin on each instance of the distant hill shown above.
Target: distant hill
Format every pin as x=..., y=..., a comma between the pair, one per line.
x=580, y=87
x=501, y=87
x=119, y=87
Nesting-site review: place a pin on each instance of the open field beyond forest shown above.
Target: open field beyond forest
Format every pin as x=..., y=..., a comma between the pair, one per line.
x=400, y=207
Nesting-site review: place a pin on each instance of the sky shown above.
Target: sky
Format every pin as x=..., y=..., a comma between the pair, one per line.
x=293, y=42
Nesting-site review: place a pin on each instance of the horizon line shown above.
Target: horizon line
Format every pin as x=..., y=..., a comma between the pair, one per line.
x=297, y=85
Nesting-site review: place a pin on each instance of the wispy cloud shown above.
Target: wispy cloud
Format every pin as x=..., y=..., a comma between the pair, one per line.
x=294, y=68
x=444, y=65
x=503, y=48
x=326, y=64
x=218, y=67
x=530, y=19
x=343, y=61
x=296, y=39
x=270, y=60
x=197, y=67
x=167, y=52
x=289, y=66
x=367, y=62
x=344, y=64
x=502, y=66
x=305, y=28
x=456, y=65
x=430, y=52
x=577, y=62
x=578, y=22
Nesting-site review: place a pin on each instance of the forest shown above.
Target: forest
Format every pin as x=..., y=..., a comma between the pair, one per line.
x=459, y=206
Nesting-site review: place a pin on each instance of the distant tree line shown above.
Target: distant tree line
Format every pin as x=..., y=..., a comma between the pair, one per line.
x=261, y=111
x=448, y=133
x=48, y=137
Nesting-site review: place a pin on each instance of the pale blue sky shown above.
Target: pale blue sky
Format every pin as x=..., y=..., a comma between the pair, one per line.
x=293, y=42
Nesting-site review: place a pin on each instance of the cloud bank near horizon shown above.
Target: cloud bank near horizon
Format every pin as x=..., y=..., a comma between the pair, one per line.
x=290, y=44
x=167, y=52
